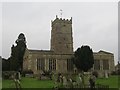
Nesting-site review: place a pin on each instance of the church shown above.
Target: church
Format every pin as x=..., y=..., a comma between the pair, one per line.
x=58, y=58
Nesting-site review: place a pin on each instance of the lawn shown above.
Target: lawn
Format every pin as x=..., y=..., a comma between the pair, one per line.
x=112, y=81
x=29, y=83
x=0, y=84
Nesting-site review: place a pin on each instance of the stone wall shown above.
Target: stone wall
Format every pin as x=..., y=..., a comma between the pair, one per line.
x=30, y=62
x=106, y=62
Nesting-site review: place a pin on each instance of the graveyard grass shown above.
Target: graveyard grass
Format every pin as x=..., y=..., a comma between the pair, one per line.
x=29, y=83
x=112, y=81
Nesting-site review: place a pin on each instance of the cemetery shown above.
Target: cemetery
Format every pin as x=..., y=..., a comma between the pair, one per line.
x=66, y=81
x=14, y=75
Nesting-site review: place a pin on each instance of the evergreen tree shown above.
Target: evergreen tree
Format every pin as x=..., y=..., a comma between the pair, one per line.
x=5, y=64
x=17, y=53
x=83, y=58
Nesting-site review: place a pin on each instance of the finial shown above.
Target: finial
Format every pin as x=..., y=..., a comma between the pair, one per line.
x=56, y=16
x=61, y=11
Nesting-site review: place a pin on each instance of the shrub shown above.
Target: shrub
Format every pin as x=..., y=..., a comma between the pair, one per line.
x=95, y=73
x=47, y=74
x=26, y=72
x=7, y=74
x=113, y=73
x=116, y=72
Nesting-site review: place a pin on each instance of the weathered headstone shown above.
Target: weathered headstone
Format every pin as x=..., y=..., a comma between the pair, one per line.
x=65, y=82
x=19, y=76
x=70, y=83
x=79, y=81
x=106, y=75
x=92, y=81
x=54, y=78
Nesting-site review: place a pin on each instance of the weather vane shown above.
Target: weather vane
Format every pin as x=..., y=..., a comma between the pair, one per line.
x=61, y=12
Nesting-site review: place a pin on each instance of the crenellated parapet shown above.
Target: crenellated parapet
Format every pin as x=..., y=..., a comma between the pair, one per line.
x=61, y=20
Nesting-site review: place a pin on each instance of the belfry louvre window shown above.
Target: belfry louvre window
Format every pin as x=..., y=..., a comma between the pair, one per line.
x=52, y=64
x=69, y=64
x=105, y=64
x=40, y=64
x=96, y=64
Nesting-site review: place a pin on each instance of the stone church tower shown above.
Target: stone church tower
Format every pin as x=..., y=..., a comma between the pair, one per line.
x=61, y=36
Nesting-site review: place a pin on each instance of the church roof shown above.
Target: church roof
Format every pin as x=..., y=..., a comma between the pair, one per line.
x=45, y=52
x=49, y=51
x=101, y=51
x=39, y=51
x=31, y=50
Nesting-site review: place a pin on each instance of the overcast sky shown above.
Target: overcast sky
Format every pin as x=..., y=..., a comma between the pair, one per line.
x=94, y=24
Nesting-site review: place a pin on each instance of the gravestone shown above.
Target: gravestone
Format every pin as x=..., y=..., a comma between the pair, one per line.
x=106, y=75
x=29, y=75
x=70, y=83
x=19, y=75
x=79, y=80
x=54, y=78
x=65, y=82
